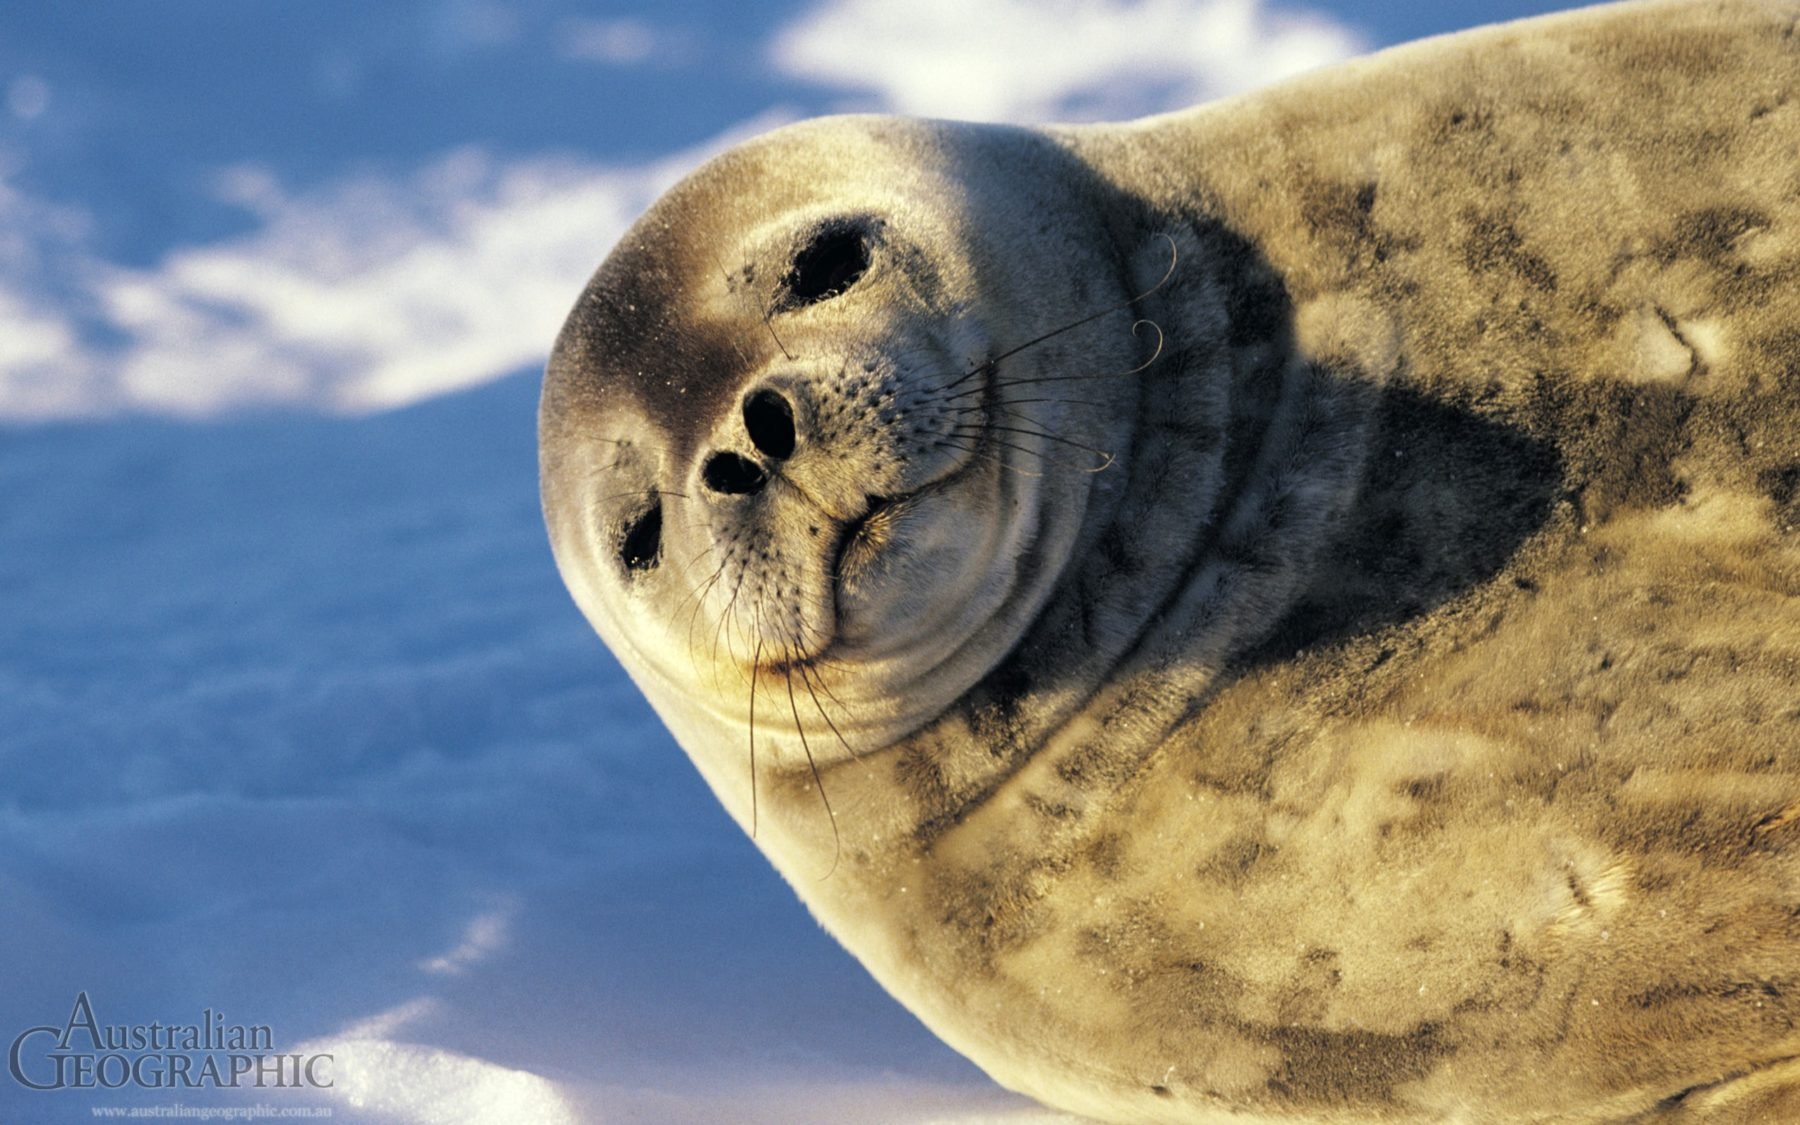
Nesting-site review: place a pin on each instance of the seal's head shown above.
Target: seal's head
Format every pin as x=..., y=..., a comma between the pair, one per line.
x=812, y=427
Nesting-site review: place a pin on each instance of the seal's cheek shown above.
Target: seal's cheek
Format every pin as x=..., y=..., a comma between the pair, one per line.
x=939, y=570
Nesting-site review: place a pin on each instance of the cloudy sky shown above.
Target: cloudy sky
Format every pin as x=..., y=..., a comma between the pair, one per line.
x=349, y=206
x=296, y=720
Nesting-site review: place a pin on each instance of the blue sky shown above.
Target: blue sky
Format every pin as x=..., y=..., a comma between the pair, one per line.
x=296, y=720
x=349, y=206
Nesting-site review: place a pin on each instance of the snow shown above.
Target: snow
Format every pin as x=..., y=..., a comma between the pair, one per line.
x=300, y=726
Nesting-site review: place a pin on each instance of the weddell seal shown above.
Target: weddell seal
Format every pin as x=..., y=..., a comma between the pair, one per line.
x=1287, y=611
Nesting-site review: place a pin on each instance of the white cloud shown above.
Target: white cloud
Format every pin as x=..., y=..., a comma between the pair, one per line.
x=376, y=292
x=485, y=935
x=44, y=368
x=370, y=293
x=33, y=342
x=1041, y=60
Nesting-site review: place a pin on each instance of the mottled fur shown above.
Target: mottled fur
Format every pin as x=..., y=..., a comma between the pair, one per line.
x=1405, y=726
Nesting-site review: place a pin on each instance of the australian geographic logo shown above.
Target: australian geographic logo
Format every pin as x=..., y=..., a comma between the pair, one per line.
x=84, y=1054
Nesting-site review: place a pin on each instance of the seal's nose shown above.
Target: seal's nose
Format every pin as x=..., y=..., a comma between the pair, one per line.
x=769, y=421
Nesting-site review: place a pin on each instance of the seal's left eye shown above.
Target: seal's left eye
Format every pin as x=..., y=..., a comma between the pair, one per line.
x=643, y=540
x=827, y=266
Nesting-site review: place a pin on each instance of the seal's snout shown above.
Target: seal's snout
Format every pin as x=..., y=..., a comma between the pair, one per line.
x=769, y=423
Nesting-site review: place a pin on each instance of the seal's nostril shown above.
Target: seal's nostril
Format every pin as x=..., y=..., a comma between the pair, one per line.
x=770, y=421
x=732, y=474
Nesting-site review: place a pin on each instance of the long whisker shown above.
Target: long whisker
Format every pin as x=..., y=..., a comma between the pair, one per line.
x=753, y=804
x=699, y=598
x=1006, y=407
x=633, y=493
x=725, y=620
x=837, y=841
x=975, y=448
x=842, y=741
x=816, y=663
x=769, y=323
x=1027, y=381
x=736, y=344
x=1174, y=256
x=1071, y=442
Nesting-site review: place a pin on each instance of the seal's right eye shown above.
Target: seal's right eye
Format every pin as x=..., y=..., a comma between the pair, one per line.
x=642, y=545
x=827, y=266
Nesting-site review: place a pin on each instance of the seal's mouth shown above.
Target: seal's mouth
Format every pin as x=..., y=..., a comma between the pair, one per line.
x=867, y=537
x=884, y=557
x=862, y=540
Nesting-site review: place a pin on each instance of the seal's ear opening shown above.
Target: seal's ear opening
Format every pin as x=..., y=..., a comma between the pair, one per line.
x=827, y=265
x=642, y=546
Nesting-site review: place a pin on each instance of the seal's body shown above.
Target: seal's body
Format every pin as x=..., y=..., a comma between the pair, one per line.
x=1288, y=611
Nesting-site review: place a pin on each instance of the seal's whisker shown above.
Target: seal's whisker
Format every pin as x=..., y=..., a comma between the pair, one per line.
x=1006, y=407
x=699, y=599
x=837, y=841
x=723, y=624
x=974, y=447
x=1024, y=423
x=698, y=594
x=807, y=680
x=769, y=323
x=752, y=724
x=967, y=417
x=942, y=396
x=1058, y=438
x=633, y=493
x=725, y=617
x=765, y=314
x=700, y=591
x=818, y=664
x=994, y=360
x=702, y=553
x=986, y=367
x=987, y=436
x=1025, y=382
x=1156, y=352
x=1033, y=380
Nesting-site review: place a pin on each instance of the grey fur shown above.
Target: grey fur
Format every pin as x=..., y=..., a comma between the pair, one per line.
x=1404, y=723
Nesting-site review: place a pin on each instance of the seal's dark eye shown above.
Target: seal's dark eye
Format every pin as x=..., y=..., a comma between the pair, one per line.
x=643, y=540
x=829, y=264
